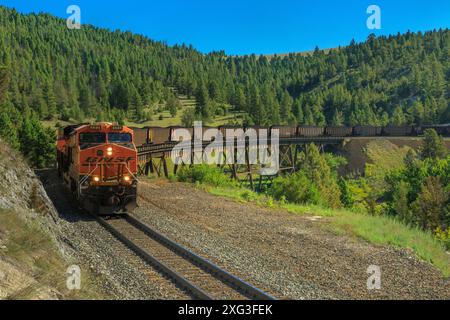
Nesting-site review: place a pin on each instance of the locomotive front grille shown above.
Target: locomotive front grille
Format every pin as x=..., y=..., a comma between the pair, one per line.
x=111, y=175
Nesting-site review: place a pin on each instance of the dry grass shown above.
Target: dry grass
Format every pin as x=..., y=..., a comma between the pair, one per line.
x=380, y=230
x=28, y=248
x=386, y=155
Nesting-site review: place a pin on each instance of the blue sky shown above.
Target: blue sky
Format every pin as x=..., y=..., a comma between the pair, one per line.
x=250, y=26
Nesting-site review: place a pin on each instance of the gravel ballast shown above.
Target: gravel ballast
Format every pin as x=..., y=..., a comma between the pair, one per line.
x=290, y=256
x=120, y=273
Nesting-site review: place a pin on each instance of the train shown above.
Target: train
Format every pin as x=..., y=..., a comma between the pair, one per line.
x=98, y=164
x=159, y=135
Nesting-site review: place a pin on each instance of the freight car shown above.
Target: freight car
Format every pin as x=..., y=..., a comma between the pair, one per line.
x=223, y=130
x=367, y=131
x=339, y=131
x=141, y=136
x=443, y=130
x=98, y=164
x=204, y=129
x=157, y=135
x=310, y=131
x=173, y=137
x=285, y=131
x=398, y=131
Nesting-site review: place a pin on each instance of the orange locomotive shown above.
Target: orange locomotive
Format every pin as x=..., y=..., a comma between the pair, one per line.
x=98, y=163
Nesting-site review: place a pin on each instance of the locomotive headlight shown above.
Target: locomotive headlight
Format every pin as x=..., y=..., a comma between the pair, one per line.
x=126, y=178
x=96, y=179
x=109, y=151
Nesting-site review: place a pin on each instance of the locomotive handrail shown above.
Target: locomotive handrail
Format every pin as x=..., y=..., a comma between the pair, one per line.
x=131, y=173
x=83, y=180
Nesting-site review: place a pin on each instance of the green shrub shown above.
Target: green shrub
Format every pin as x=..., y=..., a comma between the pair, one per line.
x=430, y=205
x=204, y=174
x=321, y=169
x=443, y=236
x=296, y=188
x=433, y=146
x=316, y=182
x=347, y=198
x=248, y=195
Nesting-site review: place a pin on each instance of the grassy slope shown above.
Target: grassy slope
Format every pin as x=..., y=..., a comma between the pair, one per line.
x=382, y=155
x=166, y=121
x=28, y=248
x=380, y=230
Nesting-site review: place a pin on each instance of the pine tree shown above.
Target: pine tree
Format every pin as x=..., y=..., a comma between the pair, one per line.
x=4, y=83
x=203, y=102
x=285, y=106
x=338, y=119
x=401, y=205
x=188, y=117
x=173, y=104
x=430, y=206
x=380, y=81
x=417, y=112
x=135, y=107
x=39, y=104
x=398, y=117
x=315, y=166
x=433, y=145
x=50, y=100
x=256, y=108
x=27, y=134
x=8, y=131
x=297, y=111
x=239, y=99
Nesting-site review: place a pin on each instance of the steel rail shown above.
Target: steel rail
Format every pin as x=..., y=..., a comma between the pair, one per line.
x=204, y=264
x=178, y=278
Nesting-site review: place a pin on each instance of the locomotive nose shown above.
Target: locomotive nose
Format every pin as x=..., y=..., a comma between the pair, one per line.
x=102, y=150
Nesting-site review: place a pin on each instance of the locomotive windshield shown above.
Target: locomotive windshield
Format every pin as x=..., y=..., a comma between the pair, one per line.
x=92, y=137
x=119, y=137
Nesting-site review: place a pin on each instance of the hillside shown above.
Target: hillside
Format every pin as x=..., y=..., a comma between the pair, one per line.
x=100, y=74
x=34, y=255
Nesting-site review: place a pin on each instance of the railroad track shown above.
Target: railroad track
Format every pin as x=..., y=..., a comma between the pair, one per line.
x=200, y=277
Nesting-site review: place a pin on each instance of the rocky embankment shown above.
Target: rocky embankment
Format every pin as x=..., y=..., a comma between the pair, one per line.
x=23, y=204
x=42, y=233
x=22, y=191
